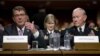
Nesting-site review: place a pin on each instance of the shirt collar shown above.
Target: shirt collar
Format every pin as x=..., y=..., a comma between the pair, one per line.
x=18, y=29
x=82, y=27
x=50, y=31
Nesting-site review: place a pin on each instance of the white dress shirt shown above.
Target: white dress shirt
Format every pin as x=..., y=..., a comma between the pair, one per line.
x=50, y=31
x=21, y=32
x=82, y=28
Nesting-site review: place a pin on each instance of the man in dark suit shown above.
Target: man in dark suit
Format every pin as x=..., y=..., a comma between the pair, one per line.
x=21, y=25
x=80, y=27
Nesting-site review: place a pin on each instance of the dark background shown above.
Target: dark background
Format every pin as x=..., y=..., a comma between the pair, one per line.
x=62, y=9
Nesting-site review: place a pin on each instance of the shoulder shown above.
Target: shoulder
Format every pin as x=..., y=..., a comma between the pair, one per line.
x=42, y=31
x=9, y=27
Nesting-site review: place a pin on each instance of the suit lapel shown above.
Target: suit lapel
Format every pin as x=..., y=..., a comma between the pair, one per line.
x=87, y=30
x=76, y=31
x=14, y=30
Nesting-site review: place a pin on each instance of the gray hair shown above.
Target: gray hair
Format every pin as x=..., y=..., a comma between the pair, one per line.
x=80, y=9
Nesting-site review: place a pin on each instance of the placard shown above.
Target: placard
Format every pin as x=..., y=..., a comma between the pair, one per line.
x=86, y=39
x=15, y=39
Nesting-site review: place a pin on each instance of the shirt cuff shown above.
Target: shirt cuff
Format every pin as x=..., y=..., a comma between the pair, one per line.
x=36, y=34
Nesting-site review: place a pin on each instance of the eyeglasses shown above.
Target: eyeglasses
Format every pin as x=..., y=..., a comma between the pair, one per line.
x=19, y=15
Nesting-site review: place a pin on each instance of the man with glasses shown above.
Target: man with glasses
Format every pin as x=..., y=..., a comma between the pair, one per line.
x=21, y=25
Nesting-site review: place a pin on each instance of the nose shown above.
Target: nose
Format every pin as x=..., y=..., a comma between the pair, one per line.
x=75, y=20
x=19, y=17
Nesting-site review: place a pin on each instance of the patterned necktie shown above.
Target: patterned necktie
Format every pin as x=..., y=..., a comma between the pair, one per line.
x=20, y=32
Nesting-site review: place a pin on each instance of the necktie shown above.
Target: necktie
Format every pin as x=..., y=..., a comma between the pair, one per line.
x=80, y=31
x=20, y=32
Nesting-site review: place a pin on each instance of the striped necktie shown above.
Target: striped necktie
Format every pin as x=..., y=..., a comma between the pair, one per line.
x=20, y=32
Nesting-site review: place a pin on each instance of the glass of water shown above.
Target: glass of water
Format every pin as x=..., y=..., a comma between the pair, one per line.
x=35, y=44
x=54, y=41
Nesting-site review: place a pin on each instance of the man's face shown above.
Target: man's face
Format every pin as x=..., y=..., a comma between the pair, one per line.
x=50, y=25
x=78, y=18
x=20, y=17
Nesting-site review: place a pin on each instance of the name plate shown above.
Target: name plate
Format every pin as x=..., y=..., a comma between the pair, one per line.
x=86, y=39
x=15, y=39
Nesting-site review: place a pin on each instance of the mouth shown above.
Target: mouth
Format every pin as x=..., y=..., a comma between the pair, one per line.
x=20, y=21
x=75, y=22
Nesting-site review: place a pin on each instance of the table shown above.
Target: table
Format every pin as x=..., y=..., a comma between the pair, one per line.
x=50, y=53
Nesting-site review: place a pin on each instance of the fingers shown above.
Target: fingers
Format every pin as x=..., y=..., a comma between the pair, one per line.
x=91, y=33
x=32, y=22
x=28, y=25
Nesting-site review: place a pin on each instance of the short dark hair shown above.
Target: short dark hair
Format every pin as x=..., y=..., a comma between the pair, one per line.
x=19, y=8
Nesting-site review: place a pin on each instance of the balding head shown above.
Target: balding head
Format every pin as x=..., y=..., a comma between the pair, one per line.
x=79, y=16
x=79, y=10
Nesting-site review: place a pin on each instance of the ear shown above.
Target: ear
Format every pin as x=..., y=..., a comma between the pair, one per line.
x=13, y=19
x=27, y=18
x=85, y=17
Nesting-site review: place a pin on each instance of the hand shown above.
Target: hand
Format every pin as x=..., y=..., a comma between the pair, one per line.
x=30, y=26
x=29, y=46
x=91, y=33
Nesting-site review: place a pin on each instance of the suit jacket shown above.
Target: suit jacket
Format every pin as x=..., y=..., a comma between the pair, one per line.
x=12, y=30
x=73, y=31
x=45, y=36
